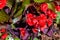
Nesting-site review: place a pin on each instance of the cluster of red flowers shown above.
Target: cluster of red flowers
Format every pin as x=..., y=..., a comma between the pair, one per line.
x=43, y=20
x=22, y=31
x=57, y=7
x=4, y=34
x=2, y=3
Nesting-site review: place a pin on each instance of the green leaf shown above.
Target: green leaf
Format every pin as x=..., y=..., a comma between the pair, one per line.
x=26, y=2
x=3, y=16
x=16, y=39
x=12, y=26
x=9, y=38
x=57, y=20
x=58, y=17
x=40, y=1
x=14, y=8
x=10, y=3
x=39, y=34
x=0, y=34
x=58, y=13
x=35, y=38
x=30, y=38
x=17, y=0
x=51, y=6
x=19, y=12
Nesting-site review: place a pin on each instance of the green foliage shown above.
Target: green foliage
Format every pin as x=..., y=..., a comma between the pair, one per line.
x=35, y=38
x=16, y=39
x=0, y=34
x=58, y=18
x=30, y=38
x=12, y=26
x=40, y=1
x=9, y=38
x=26, y=2
x=3, y=16
x=10, y=3
x=19, y=12
x=51, y=6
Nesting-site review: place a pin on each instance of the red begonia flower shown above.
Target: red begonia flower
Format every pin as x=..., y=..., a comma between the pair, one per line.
x=2, y=3
x=57, y=8
x=51, y=14
x=44, y=7
x=4, y=36
x=35, y=30
x=49, y=22
x=22, y=31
